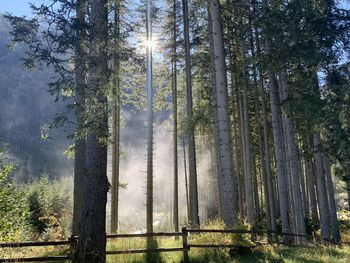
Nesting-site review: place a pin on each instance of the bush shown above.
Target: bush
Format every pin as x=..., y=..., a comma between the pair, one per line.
x=12, y=206
x=50, y=208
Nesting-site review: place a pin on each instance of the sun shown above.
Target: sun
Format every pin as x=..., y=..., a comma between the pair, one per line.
x=149, y=44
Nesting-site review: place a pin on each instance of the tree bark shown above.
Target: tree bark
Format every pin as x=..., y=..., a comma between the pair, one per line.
x=224, y=147
x=310, y=181
x=266, y=147
x=92, y=238
x=321, y=190
x=149, y=85
x=174, y=75
x=331, y=201
x=280, y=169
x=193, y=188
x=186, y=182
x=293, y=160
x=248, y=178
x=80, y=140
x=115, y=125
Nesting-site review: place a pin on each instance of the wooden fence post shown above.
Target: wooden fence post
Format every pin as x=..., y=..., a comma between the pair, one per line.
x=185, y=246
x=72, y=246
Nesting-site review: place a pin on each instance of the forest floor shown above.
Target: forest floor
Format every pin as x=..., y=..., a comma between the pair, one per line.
x=264, y=253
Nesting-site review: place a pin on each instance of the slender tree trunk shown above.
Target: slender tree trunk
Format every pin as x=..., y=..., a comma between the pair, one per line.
x=235, y=126
x=92, y=238
x=280, y=169
x=293, y=160
x=149, y=84
x=223, y=140
x=239, y=141
x=176, y=174
x=193, y=191
x=115, y=125
x=248, y=177
x=321, y=190
x=186, y=182
x=303, y=188
x=331, y=201
x=266, y=147
x=80, y=141
x=214, y=182
x=310, y=182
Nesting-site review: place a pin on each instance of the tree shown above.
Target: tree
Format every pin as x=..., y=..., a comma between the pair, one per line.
x=192, y=171
x=224, y=147
x=116, y=107
x=80, y=141
x=149, y=195
x=92, y=237
x=174, y=91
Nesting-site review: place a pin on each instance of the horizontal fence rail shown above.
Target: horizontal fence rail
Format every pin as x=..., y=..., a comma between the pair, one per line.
x=185, y=234
x=36, y=244
x=36, y=259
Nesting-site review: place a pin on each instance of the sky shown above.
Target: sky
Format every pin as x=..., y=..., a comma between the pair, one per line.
x=21, y=7
x=17, y=7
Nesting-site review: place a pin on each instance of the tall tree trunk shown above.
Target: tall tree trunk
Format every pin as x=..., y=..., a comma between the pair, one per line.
x=186, y=181
x=92, y=238
x=238, y=122
x=80, y=140
x=224, y=148
x=303, y=188
x=321, y=190
x=149, y=85
x=280, y=169
x=248, y=178
x=235, y=125
x=115, y=124
x=176, y=175
x=310, y=182
x=193, y=191
x=266, y=147
x=293, y=160
x=331, y=201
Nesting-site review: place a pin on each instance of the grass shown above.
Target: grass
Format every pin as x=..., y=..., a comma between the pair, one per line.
x=268, y=253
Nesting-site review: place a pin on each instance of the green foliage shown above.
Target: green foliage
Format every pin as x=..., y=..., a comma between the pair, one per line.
x=50, y=208
x=12, y=209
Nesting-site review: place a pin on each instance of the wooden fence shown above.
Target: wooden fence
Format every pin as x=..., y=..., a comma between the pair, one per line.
x=186, y=246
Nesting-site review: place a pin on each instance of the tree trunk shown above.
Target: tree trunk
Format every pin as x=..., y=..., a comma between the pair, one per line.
x=310, y=182
x=80, y=137
x=176, y=175
x=293, y=161
x=115, y=125
x=236, y=127
x=331, y=201
x=223, y=141
x=248, y=178
x=266, y=147
x=92, y=238
x=321, y=190
x=186, y=182
x=280, y=169
x=149, y=85
x=193, y=188
x=303, y=188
